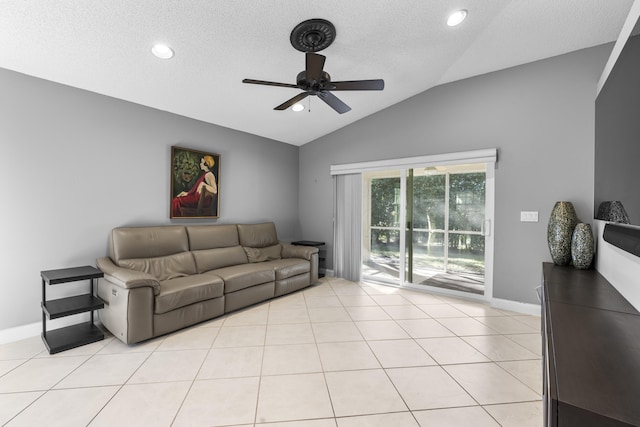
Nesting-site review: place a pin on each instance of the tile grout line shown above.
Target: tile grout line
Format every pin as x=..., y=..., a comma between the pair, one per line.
x=195, y=378
x=324, y=373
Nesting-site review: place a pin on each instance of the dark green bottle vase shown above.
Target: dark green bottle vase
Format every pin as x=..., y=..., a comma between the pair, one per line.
x=582, y=246
x=562, y=222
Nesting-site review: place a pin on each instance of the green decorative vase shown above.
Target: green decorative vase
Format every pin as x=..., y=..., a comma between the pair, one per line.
x=562, y=222
x=582, y=246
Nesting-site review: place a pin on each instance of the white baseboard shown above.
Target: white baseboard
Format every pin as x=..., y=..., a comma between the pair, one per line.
x=518, y=307
x=20, y=332
x=34, y=329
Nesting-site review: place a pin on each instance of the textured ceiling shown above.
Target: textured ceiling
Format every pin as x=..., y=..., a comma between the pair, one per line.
x=104, y=47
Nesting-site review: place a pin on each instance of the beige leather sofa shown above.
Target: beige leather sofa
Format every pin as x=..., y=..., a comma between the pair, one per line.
x=163, y=278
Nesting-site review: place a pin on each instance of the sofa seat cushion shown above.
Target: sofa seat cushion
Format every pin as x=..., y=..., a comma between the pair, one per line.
x=244, y=276
x=182, y=291
x=289, y=267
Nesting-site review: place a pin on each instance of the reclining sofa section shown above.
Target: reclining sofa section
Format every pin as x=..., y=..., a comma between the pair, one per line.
x=164, y=278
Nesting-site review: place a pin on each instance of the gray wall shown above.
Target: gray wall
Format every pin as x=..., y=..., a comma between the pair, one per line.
x=76, y=164
x=539, y=116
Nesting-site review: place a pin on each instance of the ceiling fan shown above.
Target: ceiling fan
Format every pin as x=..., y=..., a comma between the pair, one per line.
x=311, y=36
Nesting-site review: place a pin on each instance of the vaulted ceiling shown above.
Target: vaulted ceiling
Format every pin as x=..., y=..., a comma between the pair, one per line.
x=105, y=47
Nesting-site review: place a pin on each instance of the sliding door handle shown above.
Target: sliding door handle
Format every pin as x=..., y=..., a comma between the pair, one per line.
x=485, y=229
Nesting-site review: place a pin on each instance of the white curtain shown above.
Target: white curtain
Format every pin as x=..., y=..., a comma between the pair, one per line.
x=347, y=228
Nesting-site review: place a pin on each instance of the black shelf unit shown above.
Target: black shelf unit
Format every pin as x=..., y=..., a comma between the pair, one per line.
x=68, y=337
x=321, y=253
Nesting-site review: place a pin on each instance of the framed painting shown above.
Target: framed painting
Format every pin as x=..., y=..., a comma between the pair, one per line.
x=195, y=179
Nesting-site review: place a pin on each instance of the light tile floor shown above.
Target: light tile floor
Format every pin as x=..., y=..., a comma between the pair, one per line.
x=338, y=354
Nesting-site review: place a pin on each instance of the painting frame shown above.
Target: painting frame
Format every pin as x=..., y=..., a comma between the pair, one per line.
x=195, y=184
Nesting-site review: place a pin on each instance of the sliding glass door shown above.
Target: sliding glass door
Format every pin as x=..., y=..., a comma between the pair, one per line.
x=427, y=226
x=445, y=220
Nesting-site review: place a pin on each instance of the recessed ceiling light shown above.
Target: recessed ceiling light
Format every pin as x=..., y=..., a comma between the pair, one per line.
x=162, y=51
x=297, y=107
x=456, y=18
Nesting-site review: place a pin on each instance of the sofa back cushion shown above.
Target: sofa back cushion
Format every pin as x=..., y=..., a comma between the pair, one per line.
x=211, y=259
x=212, y=236
x=258, y=235
x=164, y=267
x=269, y=253
x=147, y=242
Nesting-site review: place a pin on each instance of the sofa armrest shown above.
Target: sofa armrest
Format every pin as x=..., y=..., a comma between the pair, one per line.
x=126, y=278
x=293, y=251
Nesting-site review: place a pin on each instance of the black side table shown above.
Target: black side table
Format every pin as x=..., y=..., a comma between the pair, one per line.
x=321, y=252
x=62, y=339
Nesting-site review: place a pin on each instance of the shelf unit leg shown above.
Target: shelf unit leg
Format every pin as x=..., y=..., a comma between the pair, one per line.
x=44, y=316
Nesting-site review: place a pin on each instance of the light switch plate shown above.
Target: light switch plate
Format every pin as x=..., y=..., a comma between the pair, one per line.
x=529, y=216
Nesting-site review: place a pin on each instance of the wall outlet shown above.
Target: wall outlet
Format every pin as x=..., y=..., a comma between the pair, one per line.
x=529, y=216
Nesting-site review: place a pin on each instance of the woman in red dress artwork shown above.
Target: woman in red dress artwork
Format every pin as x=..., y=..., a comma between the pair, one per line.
x=190, y=199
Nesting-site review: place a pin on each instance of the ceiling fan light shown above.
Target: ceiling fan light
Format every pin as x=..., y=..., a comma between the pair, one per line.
x=457, y=17
x=297, y=107
x=162, y=51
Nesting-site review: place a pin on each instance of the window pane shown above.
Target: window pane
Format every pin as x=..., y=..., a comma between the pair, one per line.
x=381, y=238
x=384, y=257
x=466, y=254
x=428, y=202
x=428, y=251
x=385, y=202
x=466, y=201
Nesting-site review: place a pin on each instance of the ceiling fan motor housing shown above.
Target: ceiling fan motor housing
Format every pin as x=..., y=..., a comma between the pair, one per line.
x=313, y=35
x=315, y=86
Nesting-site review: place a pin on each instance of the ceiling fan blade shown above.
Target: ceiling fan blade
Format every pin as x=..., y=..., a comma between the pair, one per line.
x=262, y=82
x=333, y=102
x=315, y=64
x=292, y=101
x=357, y=85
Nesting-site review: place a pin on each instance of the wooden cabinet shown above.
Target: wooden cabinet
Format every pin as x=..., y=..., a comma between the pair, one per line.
x=591, y=351
x=65, y=338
